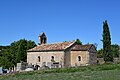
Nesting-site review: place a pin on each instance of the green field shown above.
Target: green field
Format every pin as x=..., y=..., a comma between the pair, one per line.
x=96, y=72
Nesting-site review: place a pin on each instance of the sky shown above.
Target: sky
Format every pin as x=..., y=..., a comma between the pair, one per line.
x=61, y=20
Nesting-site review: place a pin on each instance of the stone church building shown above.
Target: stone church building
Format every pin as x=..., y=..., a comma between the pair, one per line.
x=64, y=54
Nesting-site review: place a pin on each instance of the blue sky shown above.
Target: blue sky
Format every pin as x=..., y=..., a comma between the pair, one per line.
x=61, y=20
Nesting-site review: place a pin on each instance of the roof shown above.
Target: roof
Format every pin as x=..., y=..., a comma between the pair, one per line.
x=42, y=35
x=61, y=46
x=52, y=47
x=82, y=47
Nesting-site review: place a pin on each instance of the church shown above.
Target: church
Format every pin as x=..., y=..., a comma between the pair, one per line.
x=62, y=54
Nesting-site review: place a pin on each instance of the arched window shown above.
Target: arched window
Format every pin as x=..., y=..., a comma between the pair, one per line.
x=38, y=58
x=79, y=58
x=52, y=59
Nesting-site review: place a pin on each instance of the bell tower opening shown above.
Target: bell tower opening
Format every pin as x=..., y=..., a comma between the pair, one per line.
x=42, y=39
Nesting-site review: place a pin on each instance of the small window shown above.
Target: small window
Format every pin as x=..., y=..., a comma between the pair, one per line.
x=79, y=58
x=52, y=59
x=38, y=58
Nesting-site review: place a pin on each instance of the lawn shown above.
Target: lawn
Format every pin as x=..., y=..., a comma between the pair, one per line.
x=97, y=72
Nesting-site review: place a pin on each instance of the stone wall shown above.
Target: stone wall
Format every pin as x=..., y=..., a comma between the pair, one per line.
x=67, y=59
x=92, y=58
x=45, y=57
x=116, y=60
x=84, y=58
x=87, y=58
x=101, y=60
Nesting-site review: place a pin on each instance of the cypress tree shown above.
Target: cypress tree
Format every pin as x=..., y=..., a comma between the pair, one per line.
x=108, y=57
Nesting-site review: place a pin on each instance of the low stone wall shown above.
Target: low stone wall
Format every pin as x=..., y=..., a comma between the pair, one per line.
x=116, y=60
x=101, y=60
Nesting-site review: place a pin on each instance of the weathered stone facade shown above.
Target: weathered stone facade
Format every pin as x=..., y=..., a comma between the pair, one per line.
x=65, y=54
x=75, y=56
x=45, y=57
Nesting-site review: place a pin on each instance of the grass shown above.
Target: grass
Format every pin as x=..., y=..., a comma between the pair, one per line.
x=94, y=72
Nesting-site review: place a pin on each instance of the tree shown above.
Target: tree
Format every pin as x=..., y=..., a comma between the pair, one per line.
x=106, y=43
x=16, y=52
x=100, y=53
x=22, y=51
x=23, y=46
x=6, y=59
x=78, y=41
x=30, y=44
x=115, y=50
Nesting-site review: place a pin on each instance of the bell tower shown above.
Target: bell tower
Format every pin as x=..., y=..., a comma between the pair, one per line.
x=42, y=39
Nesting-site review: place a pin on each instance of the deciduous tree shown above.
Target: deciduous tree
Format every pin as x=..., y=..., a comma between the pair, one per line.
x=16, y=52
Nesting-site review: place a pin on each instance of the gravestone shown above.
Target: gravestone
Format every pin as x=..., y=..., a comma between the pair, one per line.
x=21, y=66
x=1, y=72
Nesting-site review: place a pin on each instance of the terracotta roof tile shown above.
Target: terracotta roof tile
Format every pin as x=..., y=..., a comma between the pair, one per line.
x=56, y=46
x=82, y=47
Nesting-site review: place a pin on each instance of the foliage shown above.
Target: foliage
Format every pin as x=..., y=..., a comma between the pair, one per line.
x=115, y=50
x=4, y=47
x=78, y=41
x=22, y=51
x=6, y=59
x=16, y=52
x=100, y=53
x=106, y=43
